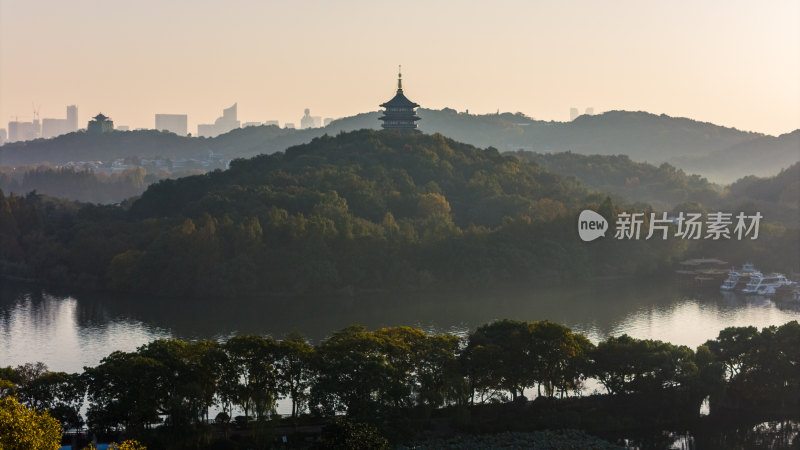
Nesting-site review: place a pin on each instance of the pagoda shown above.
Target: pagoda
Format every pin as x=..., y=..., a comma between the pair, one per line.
x=100, y=124
x=399, y=114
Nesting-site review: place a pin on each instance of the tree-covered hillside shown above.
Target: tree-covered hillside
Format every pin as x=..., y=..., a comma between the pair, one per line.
x=720, y=153
x=361, y=210
x=765, y=155
x=375, y=173
x=777, y=197
x=663, y=186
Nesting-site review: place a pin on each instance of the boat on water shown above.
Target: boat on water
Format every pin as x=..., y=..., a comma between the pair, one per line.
x=738, y=279
x=765, y=284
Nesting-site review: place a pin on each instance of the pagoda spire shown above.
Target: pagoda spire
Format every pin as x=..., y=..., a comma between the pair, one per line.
x=399, y=79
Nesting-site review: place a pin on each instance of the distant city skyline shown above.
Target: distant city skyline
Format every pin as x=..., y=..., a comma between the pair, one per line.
x=734, y=64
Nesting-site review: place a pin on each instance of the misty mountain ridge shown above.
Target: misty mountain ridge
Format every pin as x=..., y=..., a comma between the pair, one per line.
x=371, y=210
x=720, y=153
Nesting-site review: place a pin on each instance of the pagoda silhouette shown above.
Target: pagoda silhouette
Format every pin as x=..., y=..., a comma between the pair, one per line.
x=399, y=113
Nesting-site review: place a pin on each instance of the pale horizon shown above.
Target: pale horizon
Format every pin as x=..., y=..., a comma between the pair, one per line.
x=734, y=64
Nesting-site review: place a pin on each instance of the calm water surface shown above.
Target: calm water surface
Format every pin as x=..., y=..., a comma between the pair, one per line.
x=68, y=332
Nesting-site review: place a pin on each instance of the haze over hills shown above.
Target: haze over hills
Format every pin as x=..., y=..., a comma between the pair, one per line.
x=361, y=210
x=719, y=153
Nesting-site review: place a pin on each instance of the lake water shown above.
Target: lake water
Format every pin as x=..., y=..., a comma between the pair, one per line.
x=68, y=332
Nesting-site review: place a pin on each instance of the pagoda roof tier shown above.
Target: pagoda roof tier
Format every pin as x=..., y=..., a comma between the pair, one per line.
x=399, y=101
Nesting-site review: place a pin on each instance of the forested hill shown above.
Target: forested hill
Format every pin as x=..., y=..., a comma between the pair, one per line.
x=361, y=210
x=666, y=187
x=641, y=135
x=723, y=154
x=719, y=153
x=375, y=173
x=663, y=186
x=761, y=156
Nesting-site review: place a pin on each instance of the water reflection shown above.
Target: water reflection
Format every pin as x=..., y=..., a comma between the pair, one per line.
x=68, y=332
x=62, y=332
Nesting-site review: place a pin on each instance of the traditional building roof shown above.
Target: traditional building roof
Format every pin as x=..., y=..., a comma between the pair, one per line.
x=399, y=100
x=399, y=113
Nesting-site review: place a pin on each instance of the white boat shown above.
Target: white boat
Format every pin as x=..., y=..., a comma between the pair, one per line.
x=765, y=284
x=730, y=283
x=738, y=278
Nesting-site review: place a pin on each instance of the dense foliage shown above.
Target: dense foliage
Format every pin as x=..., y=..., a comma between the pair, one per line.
x=83, y=185
x=667, y=188
x=392, y=377
x=777, y=196
x=663, y=186
x=23, y=428
x=362, y=210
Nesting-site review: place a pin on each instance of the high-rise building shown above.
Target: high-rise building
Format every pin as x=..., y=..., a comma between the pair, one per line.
x=399, y=113
x=72, y=118
x=590, y=111
x=31, y=130
x=174, y=123
x=3, y=136
x=54, y=127
x=100, y=124
x=288, y=125
x=272, y=122
x=23, y=131
x=14, y=131
x=573, y=114
x=251, y=124
x=231, y=112
x=222, y=125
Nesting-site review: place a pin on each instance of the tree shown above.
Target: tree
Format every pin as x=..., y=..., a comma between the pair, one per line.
x=295, y=370
x=430, y=204
x=498, y=356
x=25, y=429
x=560, y=356
x=248, y=376
x=770, y=368
x=612, y=363
x=732, y=346
x=185, y=379
x=57, y=392
x=626, y=364
x=9, y=381
x=353, y=374
x=438, y=372
x=124, y=389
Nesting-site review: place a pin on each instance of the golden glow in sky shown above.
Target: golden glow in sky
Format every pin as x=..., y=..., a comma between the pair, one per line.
x=732, y=63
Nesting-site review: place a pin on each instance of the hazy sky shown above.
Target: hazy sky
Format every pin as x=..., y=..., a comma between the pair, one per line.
x=728, y=62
